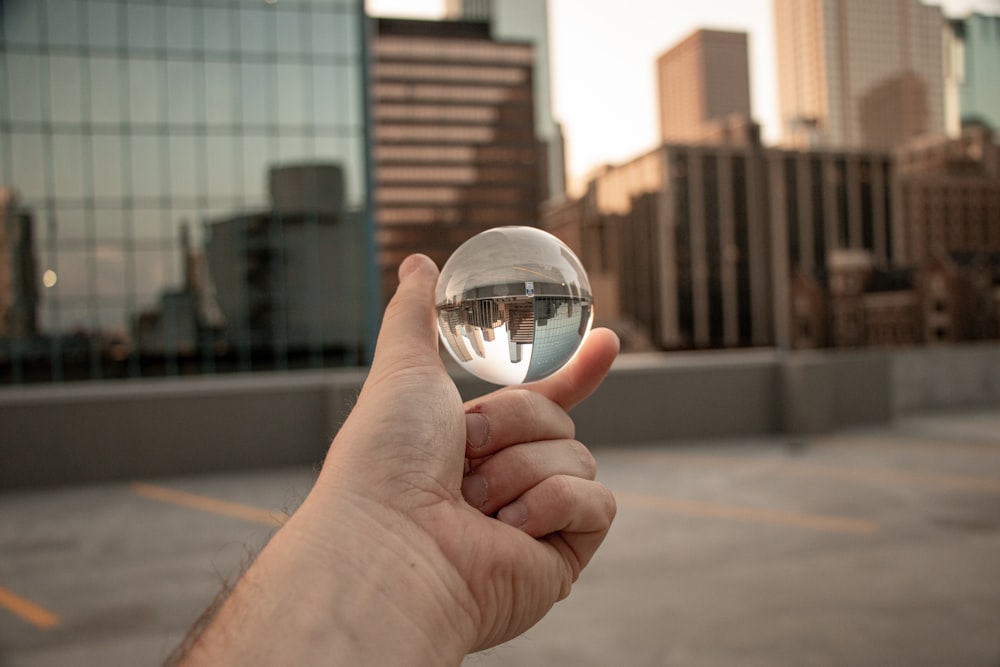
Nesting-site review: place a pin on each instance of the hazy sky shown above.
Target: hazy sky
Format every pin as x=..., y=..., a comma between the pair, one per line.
x=604, y=54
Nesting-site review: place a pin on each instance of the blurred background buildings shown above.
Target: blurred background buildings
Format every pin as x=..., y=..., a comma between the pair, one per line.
x=203, y=187
x=857, y=74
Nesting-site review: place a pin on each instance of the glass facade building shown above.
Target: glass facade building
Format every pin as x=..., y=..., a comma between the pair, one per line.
x=195, y=177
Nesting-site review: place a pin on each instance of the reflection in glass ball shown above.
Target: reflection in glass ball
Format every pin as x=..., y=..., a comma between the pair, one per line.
x=513, y=305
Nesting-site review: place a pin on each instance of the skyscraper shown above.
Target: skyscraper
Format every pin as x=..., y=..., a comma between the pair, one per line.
x=455, y=148
x=518, y=20
x=973, y=45
x=702, y=82
x=859, y=73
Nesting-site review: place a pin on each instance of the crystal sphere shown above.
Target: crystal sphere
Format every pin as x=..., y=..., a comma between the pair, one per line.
x=513, y=305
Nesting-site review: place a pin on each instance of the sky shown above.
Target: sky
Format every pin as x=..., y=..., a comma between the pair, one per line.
x=603, y=57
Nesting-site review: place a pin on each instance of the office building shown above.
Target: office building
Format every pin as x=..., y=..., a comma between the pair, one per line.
x=708, y=247
x=859, y=74
x=122, y=121
x=526, y=20
x=455, y=149
x=972, y=50
x=712, y=239
x=703, y=85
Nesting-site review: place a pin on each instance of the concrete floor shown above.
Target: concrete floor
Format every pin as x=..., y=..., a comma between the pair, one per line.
x=877, y=547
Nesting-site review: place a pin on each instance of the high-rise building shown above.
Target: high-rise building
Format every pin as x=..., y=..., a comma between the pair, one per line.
x=859, y=74
x=526, y=20
x=703, y=83
x=972, y=52
x=455, y=148
x=120, y=121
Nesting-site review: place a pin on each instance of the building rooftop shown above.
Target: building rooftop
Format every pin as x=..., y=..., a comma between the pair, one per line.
x=863, y=547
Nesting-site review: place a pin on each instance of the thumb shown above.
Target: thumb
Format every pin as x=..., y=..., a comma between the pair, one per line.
x=408, y=416
x=408, y=336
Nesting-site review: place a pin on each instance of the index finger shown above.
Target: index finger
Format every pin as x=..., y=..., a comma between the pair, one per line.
x=584, y=373
x=580, y=377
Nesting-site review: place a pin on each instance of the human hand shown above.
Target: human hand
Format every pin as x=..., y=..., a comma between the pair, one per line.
x=405, y=445
x=396, y=554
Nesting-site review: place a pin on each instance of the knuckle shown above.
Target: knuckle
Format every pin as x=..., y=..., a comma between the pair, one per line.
x=586, y=460
x=523, y=405
x=610, y=504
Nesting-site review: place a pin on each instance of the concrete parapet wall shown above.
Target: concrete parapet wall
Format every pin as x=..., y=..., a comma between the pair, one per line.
x=822, y=391
x=945, y=377
x=80, y=433
x=651, y=398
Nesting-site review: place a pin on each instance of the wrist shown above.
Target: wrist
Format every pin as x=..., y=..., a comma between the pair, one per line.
x=358, y=585
x=400, y=590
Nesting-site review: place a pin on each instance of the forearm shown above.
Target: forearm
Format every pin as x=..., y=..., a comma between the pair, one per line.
x=324, y=592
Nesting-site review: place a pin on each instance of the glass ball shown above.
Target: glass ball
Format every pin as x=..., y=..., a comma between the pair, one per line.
x=513, y=305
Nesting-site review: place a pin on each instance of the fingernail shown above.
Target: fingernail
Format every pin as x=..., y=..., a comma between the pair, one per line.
x=477, y=430
x=515, y=514
x=474, y=489
x=411, y=264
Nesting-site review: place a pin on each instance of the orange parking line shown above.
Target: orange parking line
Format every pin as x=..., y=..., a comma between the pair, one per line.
x=208, y=504
x=27, y=610
x=821, y=522
x=930, y=480
x=886, y=476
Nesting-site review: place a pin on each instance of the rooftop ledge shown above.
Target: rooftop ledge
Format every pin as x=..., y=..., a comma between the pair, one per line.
x=88, y=432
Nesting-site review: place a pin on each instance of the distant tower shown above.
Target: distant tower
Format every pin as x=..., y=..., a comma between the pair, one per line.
x=972, y=53
x=456, y=151
x=859, y=73
x=515, y=20
x=703, y=81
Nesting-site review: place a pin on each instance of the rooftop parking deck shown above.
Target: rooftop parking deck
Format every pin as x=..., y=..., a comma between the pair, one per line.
x=874, y=546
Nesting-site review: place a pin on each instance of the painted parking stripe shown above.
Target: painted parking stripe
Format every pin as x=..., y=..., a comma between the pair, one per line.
x=878, y=476
x=820, y=522
x=928, y=480
x=209, y=504
x=28, y=611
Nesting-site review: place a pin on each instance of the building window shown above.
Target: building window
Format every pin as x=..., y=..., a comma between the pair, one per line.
x=144, y=139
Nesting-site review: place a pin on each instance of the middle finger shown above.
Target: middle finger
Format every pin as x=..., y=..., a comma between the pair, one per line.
x=497, y=481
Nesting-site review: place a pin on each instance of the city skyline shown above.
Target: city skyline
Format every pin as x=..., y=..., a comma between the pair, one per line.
x=635, y=33
x=186, y=107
